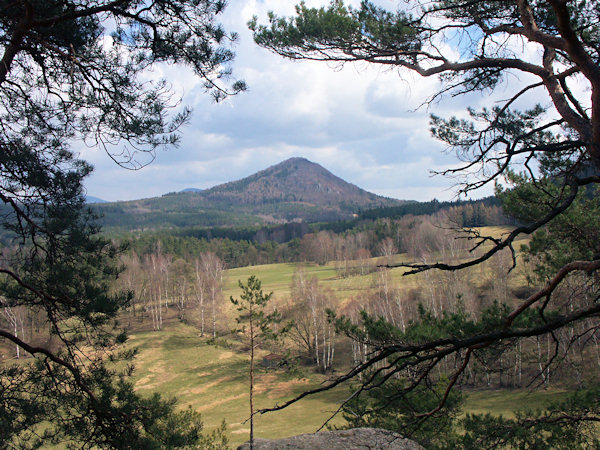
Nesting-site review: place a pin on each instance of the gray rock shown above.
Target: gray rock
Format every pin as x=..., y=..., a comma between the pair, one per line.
x=353, y=439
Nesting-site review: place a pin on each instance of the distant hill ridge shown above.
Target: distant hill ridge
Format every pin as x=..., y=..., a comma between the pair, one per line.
x=92, y=199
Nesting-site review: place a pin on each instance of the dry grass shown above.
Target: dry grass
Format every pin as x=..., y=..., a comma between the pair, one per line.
x=213, y=380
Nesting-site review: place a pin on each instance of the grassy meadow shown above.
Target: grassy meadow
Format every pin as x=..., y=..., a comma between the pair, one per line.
x=213, y=378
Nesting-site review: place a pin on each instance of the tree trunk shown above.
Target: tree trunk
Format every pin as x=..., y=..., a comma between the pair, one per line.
x=251, y=380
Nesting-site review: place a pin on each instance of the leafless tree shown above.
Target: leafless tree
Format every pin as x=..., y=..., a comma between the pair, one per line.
x=213, y=269
x=387, y=249
x=310, y=328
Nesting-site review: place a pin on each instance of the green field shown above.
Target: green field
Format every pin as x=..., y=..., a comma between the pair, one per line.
x=213, y=380
x=278, y=277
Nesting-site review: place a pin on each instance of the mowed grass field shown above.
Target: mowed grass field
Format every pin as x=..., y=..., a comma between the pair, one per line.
x=213, y=379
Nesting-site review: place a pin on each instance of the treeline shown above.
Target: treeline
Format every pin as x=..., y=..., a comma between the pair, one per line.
x=320, y=242
x=234, y=253
x=474, y=213
x=138, y=216
x=201, y=221
x=278, y=233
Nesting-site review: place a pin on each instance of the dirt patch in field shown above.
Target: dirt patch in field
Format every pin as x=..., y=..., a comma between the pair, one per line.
x=159, y=374
x=206, y=386
x=263, y=383
x=274, y=387
x=226, y=355
x=284, y=388
x=211, y=405
x=144, y=382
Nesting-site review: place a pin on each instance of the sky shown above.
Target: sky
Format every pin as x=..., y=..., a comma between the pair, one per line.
x=363, y=123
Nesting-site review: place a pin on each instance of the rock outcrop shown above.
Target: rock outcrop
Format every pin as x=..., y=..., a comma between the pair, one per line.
x=353, y=439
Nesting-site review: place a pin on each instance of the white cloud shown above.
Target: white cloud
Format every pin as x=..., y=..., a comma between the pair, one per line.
x=359, y=122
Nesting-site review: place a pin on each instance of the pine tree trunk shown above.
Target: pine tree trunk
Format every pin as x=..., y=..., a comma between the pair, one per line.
x=251, y=381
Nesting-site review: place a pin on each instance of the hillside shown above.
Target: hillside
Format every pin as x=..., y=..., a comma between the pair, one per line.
x=293, y=190
x=296, y=180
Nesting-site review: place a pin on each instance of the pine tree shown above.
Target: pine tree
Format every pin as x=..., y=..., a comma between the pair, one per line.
x=72, y=72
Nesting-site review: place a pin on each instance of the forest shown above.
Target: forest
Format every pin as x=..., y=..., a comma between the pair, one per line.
x=301, y=241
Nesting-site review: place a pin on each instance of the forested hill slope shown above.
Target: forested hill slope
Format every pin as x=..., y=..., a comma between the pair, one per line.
x=293, y=190
x=296, y=180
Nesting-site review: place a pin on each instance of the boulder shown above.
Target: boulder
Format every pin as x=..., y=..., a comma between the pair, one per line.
x=353, y=439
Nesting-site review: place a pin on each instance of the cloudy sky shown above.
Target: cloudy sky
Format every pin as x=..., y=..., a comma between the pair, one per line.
x=362, y=123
